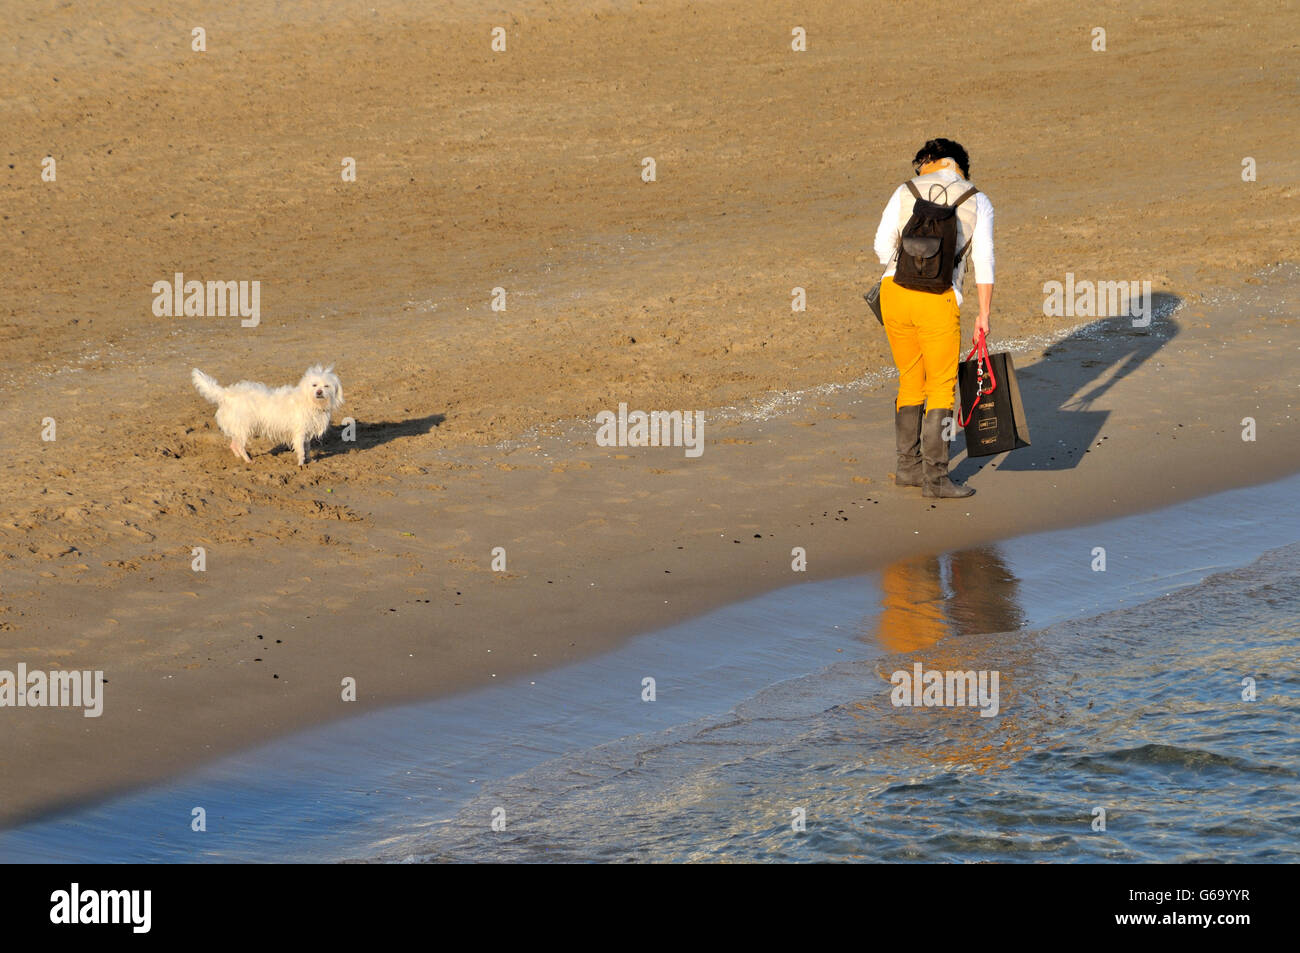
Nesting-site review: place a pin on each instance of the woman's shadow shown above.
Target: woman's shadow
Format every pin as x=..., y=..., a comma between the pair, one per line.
x=1058, y=392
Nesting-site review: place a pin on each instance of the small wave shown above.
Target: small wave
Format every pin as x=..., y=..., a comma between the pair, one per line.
x=1116, y=712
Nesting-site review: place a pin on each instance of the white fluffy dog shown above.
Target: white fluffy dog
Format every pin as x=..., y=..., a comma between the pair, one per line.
x=290, y=415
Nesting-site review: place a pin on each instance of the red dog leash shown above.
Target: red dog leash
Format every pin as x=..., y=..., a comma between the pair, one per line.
x=982, y=348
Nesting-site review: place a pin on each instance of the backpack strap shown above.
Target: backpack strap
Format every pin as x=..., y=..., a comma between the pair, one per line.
x=967, y=194
x=911, y=187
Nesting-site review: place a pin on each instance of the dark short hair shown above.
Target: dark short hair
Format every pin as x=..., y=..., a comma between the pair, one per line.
x=936, y=149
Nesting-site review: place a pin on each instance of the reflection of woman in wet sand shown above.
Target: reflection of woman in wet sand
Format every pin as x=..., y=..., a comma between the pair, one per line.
x=917, y=610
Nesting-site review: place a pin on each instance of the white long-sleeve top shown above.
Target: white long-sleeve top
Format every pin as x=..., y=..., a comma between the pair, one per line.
x=890, y=232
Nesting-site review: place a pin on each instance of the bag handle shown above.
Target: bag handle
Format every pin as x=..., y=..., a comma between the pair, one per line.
x=911, y=187
x=985, y=364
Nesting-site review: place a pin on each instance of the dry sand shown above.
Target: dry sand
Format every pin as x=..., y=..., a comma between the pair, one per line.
x=521, y=170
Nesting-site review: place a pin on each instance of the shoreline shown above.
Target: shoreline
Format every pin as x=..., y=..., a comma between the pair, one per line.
x=419, y=781
x=596, y=557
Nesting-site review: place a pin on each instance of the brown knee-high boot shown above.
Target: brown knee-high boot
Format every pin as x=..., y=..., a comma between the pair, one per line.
x=934, y=456
x=907, y=437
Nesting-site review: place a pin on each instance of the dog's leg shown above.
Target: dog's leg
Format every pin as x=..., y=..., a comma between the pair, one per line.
x=238, y=450
x=301, y=447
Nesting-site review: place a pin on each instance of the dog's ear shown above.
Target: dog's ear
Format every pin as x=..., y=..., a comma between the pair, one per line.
x=338, y=392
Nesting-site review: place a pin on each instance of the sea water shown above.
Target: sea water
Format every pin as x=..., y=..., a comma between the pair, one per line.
x=1147, y=711
x=1164, y=731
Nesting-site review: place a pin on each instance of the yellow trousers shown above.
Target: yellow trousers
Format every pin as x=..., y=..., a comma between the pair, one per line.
x=924, y=333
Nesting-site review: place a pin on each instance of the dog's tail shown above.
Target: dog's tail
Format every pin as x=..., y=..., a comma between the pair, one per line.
x=207, y=386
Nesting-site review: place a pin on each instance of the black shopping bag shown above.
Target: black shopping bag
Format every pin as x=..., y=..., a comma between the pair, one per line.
x=991, y=412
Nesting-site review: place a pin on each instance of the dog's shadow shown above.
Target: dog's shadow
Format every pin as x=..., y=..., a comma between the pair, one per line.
x=373, y=434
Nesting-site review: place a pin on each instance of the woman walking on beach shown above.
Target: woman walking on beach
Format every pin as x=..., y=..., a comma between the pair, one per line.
x=931, y=227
